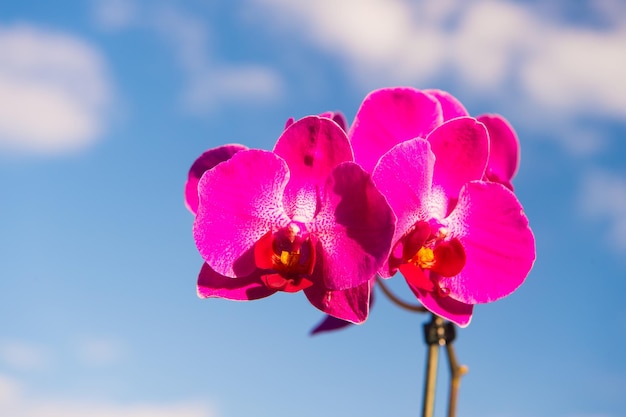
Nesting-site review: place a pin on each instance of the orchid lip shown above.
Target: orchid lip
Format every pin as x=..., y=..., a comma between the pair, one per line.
x=288, y=256
x=427, y=250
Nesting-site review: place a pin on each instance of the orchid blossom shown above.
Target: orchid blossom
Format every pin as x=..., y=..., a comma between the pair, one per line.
x=303, y=217
x=459, y=240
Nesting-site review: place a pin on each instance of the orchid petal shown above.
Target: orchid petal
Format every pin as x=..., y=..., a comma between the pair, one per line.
x=354, y=228
x=338, y=118
x=240, y=201
x=205, y=162
x=446, y=307
x=504, y=154
x=212, y=284
x=461, y=147
x=404, y=176
x=388, y=117
x=351, y=304
x=329, y=324
x=499, y=245
x=311, y=147
x=450, y=106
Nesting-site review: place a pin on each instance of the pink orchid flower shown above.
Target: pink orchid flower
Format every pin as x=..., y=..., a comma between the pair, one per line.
x=390, y=116
x=459, y=240
x=303, y=217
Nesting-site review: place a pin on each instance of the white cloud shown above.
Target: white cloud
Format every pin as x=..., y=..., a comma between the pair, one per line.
x=489, y=46
x=23, y=356
x=16, y=400
x=603, y=197
x=54, y=91
x=208, y=82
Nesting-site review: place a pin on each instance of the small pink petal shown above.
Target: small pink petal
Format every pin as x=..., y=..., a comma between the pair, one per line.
x=338, y=118
x=450, y=106
x=240, y=201
x=499, y=245
x=311, y=147
x=446, y=307
x=205, y=162
x=212, y=284
x=354, y=228
x=351, y=305
x=404, y=176
x=461, y=148
x=388, y=117
x=504, y=156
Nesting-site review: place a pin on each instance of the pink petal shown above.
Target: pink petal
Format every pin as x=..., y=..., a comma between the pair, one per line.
x=312, y=147
x=499, y=245
x=354, y=228
x=351, y=305
x=388, y=117
x=240, y=201
x=446, y=307
x=461, y=148
x=450, y=106
x=205, y=162
x=404, y=176
x=212, y=284
x=504, y=156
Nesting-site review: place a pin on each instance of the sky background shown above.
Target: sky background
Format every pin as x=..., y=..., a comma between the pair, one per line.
x=104, y=105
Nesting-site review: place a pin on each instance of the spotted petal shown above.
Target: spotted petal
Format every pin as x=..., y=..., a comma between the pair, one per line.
x=212, y=284
x=312, y=147
x=240, y=201
x=499, y=245
x=354, y=228
x=404, y=176
x=388, y=117
x=205, y=162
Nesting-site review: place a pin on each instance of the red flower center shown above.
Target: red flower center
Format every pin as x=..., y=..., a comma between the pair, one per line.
x=424, y=250
x=289, y=257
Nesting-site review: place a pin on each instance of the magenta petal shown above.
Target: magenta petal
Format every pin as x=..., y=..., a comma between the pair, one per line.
x=351, y=305
x=240, y=201
x=450, y=106
x=205, y=162
x=329, y=324
x=461, y=148
x=354, y=228
x=312, y=147
x=212, y=284
x=404, y=176
x=499, y=245
x=504, y=155
x=388, y=117
x=446, y=307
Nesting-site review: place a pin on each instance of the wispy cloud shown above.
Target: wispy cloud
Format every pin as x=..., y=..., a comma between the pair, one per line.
x=22, y=355
x=603, y=198
x=209, y=81
x=525, y=54
x=17, y=401
x=54, y=91
x=100, y=351
x=114, y=15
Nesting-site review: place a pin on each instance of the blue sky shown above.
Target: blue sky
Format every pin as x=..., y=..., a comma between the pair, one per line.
x=103, y=107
